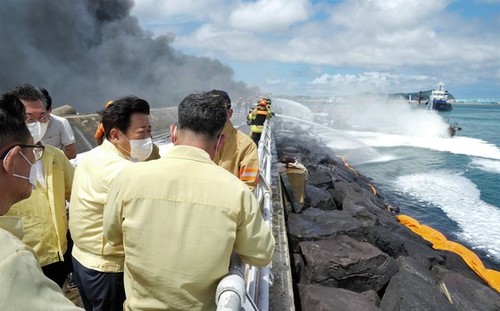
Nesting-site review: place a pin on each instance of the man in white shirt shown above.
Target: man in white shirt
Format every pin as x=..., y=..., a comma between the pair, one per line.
x=59, y=133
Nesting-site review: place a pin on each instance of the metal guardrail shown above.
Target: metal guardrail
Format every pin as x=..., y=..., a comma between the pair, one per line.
x=233, y=292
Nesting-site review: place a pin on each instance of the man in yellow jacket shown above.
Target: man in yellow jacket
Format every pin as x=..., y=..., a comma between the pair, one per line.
x=24, y=286
x=44, y=212
x=238, y=153
x=98, y=266
x=179, y=218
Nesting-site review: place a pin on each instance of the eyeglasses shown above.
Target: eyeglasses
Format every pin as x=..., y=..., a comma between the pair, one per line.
x=30, y=120
x=37, y=150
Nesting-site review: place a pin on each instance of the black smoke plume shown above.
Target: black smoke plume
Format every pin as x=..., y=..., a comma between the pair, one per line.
x=88, y=52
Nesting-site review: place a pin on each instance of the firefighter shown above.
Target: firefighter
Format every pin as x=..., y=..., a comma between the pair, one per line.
x=257, y=118
x=238, y=153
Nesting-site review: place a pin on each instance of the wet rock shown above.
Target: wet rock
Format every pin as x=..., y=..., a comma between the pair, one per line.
x=414, y=287
x=397, y=245
x=319, y=298
x=320, y=176
x=315, y=224
x=455, y=263
x=467, y=294
x=346, y=263
x=372, y=297
x=319, y=198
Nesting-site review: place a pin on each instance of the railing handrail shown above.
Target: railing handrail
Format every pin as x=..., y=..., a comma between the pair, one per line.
x=229, y=294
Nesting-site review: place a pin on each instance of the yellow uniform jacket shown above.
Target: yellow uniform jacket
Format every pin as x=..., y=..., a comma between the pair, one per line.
x=93, y=178
x=238, y=155
x=24, y=286
x=179, y=219
x=44, y=212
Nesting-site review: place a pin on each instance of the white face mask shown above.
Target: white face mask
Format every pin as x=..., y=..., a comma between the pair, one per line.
x=140, y=149
x=32, y=175
x=37, y=130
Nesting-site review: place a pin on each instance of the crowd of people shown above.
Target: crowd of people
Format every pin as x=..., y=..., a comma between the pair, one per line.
x=144, y=232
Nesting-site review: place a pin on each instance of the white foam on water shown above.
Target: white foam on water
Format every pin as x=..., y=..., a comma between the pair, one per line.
x=457, y=145
x=460, y=199
x=487, y=165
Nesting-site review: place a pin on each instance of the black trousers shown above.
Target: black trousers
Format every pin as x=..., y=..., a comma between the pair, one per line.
x=56, y=271
x=100, y=291
x=256, y=137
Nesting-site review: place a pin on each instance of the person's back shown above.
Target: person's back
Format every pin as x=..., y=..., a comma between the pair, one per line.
x=179, y=227
x=257, y=118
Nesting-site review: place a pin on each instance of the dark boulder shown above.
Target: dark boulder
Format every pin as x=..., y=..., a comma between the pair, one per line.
x=346, y=263
x=414, y=287
x=319, y=198
x=467, y=294
x=320, y=298
x=315, y=224
x=320, y=176
x=396, y=245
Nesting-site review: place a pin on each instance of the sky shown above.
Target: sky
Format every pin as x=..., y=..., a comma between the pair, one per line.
x=337, y=48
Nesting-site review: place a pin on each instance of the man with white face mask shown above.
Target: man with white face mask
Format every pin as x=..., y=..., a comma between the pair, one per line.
x=98, y=266
x=24, y=287
x=179, y=218
x=44, y=212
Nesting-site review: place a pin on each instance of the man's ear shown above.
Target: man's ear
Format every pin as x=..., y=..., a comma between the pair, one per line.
x=113, y=135
x=173, y=133
x=229, y=113
x=10, y=159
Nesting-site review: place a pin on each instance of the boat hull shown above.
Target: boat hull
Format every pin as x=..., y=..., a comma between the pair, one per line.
x=441, y=105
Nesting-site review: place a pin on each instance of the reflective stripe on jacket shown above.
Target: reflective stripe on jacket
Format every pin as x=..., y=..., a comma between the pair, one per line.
x=238, y=155
x=257, y=117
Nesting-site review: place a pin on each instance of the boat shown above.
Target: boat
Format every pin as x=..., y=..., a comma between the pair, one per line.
x=438, y=100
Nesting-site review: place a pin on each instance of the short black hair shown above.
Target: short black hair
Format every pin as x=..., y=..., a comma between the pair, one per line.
x=13, y=129
x=48, y=99
x=202, y=114
x=29, y=92
x=117, y=114
x=223, y=96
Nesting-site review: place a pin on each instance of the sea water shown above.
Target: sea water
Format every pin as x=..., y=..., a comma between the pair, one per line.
x=449, y=183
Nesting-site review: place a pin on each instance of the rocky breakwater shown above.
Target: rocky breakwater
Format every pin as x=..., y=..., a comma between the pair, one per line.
x=349, y=252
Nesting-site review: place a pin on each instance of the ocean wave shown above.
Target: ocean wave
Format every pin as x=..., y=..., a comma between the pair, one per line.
x=459, y=198
x=490, y=166
x=457, y=145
